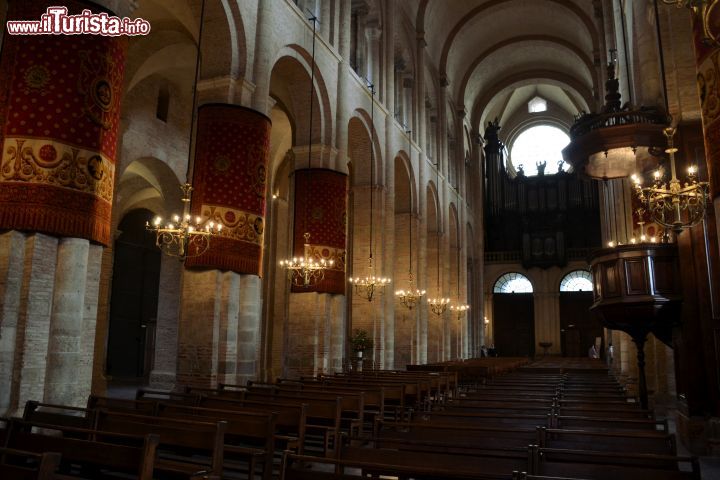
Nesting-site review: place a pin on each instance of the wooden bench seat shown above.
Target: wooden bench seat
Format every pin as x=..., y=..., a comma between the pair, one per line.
x=660, y=443
x=24, y=465
x=439, y=436
x=615, y=466
x=52, y=414
x=496, y=419
x=297, y=467
x=606, y=423
x=185, y=447
x=423, y=464
x=90, y=449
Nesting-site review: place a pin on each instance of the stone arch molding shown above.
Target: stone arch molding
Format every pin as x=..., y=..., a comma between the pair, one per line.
x=300, y=56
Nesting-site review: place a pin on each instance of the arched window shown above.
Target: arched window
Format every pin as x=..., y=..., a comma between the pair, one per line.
x=577, y=281
x=538, y=150
x=513, y=283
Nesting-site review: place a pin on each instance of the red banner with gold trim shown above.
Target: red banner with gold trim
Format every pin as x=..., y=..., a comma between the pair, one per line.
x=321, y=211
x=59, y=119
x=231, y=156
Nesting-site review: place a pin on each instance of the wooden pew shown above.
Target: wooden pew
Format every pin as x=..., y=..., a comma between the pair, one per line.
x=93, y=449
x=23, y=465
x=249, y=435
x=195, y=438
x=524, y=476
x=352, y=404
x=323, y=418
x=495, y=419
x=607, y=423
x=290, y=420
x=140, y=407
x=57, y=414
x=451, y=437
x=610, y=465
x=423, y=464
x=624, y=441
x=297, y=467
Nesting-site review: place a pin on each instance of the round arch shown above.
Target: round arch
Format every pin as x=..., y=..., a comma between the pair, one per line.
x=513, y=282
x=576, y=281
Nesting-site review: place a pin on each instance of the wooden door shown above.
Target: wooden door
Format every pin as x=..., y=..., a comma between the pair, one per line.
x=578, y=326
x=514, y=324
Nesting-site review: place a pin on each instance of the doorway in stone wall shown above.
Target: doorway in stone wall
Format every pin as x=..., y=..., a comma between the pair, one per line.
x=134, y=299
x=513, y=316
x=579, y=328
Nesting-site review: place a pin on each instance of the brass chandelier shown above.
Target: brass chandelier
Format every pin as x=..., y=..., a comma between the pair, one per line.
x=438, y=305
x=674, y=204
x=305, y=271
x=366, y=287
x=181, y=236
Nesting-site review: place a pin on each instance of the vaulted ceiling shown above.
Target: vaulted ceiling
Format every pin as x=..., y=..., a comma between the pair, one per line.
x=494, y=55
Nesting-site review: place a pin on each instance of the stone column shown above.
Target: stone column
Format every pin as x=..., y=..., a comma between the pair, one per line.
x=53, y=360
x=249, y=318
x=645, y=56
x=222, y=302
x=12, y=258
x=28, y=267
x=424, y=172
x=168, y=318
x=372, y=36
x=262, y=66
x=616, y=211
x=707, y=57
x=67, y=382
x=314, y=335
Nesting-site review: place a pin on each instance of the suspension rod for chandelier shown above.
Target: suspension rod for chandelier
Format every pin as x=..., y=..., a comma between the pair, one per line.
x=661, y=57
x=371, y=86
x=193, y=117
x=313, y=19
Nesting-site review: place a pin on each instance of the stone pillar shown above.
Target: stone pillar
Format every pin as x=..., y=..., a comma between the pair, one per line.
x=325, y=20
x=707, y=57
x=199, y=328
x=314, y=337
x=616, y=211
x=262, y=66
x=12, y=259
x=249, y=314
x=65, y=162
x=646, y=60
x=69, y=352
x=424, y=172
x=228, y=326
x=166, y=330
x=373, y=34
x=222, y=302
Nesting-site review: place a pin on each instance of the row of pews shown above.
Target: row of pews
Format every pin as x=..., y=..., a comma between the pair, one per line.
x=549, y=419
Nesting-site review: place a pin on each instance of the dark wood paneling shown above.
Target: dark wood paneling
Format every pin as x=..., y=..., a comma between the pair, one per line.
x=636, y=277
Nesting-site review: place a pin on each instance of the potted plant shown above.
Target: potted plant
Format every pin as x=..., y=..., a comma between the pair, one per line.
x=360, y=341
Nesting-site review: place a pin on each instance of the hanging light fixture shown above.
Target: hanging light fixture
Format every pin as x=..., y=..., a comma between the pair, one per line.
x=305, y=271
x=183, y=236
x=674, y=205
x=438, y=305
x=619, y=139
x=367, y=286
x=410, y=297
